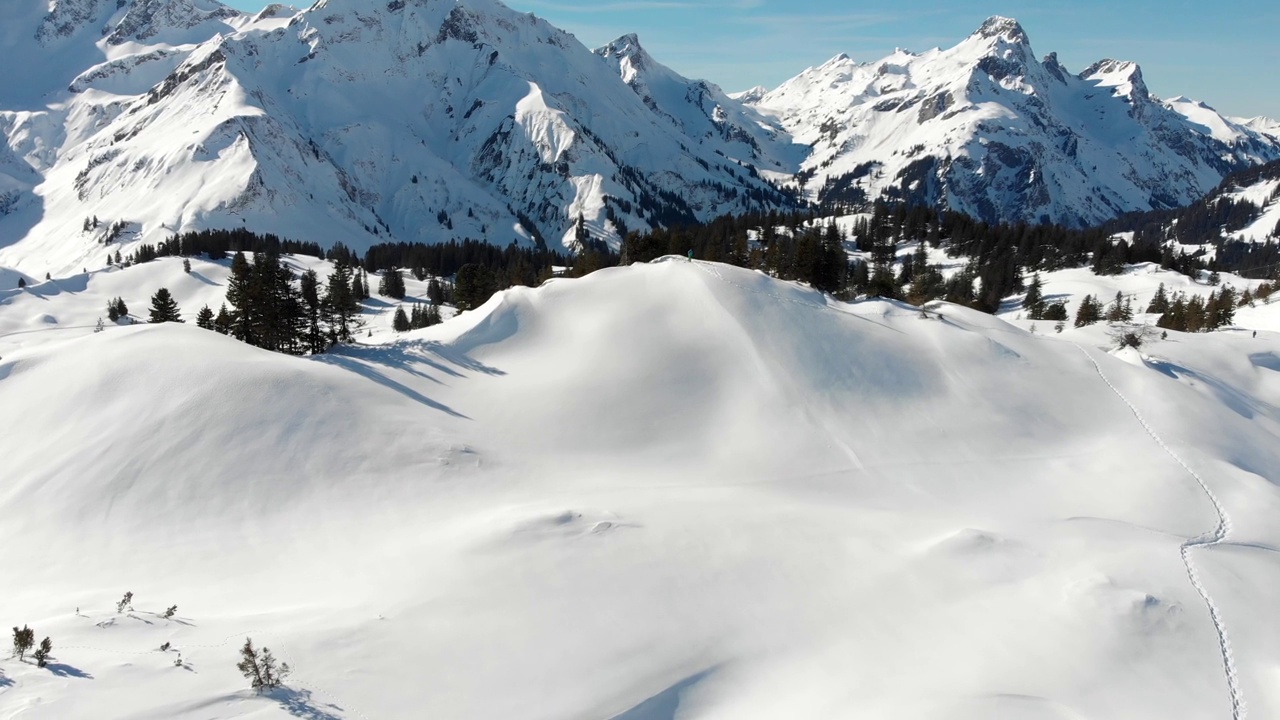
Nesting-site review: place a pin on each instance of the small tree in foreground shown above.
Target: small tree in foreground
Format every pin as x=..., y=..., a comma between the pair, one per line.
x=23, y=640
x=125, y=602
x=259, y=666
x=1134, y=336
x=164, y=308
x=42, y=653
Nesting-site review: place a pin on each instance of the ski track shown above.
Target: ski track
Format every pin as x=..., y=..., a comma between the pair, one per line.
x=1208, y=539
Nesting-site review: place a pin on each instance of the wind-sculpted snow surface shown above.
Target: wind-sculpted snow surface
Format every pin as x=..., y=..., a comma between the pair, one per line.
x=669, y=490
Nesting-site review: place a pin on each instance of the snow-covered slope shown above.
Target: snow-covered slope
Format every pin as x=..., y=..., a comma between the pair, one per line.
x=354, y=120
x=1262, y=189
x=985, y=128
x=670, y=490
x=703, y=112
x=1262, y=124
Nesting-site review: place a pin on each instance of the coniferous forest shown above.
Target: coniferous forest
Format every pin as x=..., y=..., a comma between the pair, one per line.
x=270, y=307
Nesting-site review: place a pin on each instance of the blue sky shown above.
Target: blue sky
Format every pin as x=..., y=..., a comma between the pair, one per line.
x=1223, y=53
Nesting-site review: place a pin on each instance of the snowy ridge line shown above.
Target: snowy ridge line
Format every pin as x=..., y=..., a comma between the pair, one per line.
x=281, y=650
x=708, y=267
x=1206, y=539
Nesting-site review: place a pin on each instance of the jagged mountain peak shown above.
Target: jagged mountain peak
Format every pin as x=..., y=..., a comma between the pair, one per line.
x=122, y=21
x=275, y=10
x=1054, y=67
x=1004, y=28
x=1263, y=124
x=999, y=49
x=1123, y=75
x=750, y=95
x=145, y=19
x=632, y=59
x=67, y=17
x=985, y=128
x=841, y=59
x=628, y=43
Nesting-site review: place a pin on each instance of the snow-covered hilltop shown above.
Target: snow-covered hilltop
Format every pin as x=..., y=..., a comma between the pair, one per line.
x=677, y=486
x=364, y=121
x=985, y=128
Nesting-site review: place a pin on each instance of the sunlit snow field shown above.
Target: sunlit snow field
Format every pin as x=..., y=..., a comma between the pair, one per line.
x=676, y=490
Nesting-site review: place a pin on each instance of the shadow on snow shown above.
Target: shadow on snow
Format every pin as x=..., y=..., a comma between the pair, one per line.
x=414, y=358
x=666, y=704
x=299, y=704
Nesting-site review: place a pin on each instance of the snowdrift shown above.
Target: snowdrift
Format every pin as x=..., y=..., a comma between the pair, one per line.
x=670, y=490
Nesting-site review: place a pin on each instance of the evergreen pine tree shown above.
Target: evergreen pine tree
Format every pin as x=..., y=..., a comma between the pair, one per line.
x=279, y=309
x=435, y=293
x=240, y=297
x=204, y=318
x=164, y=308
x=42, y=653
x=400, y=323
x=1090, y=311
x=1221, y=310
x=23, y=640
x=310, y=291
x=392, y=284
x=259, y=666
x=474, y=286
x=222, y=323
x=1160, y=302
x=1056, y=311
x=1115, y=312
x=1196, y=315
x=1175, y=316
x=1034, y=301
x=357, y=287
x=341, y=306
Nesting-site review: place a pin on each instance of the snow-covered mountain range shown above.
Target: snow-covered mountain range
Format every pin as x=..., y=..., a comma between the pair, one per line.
x=354, y=120
x=362, y=121
x=985, y=128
